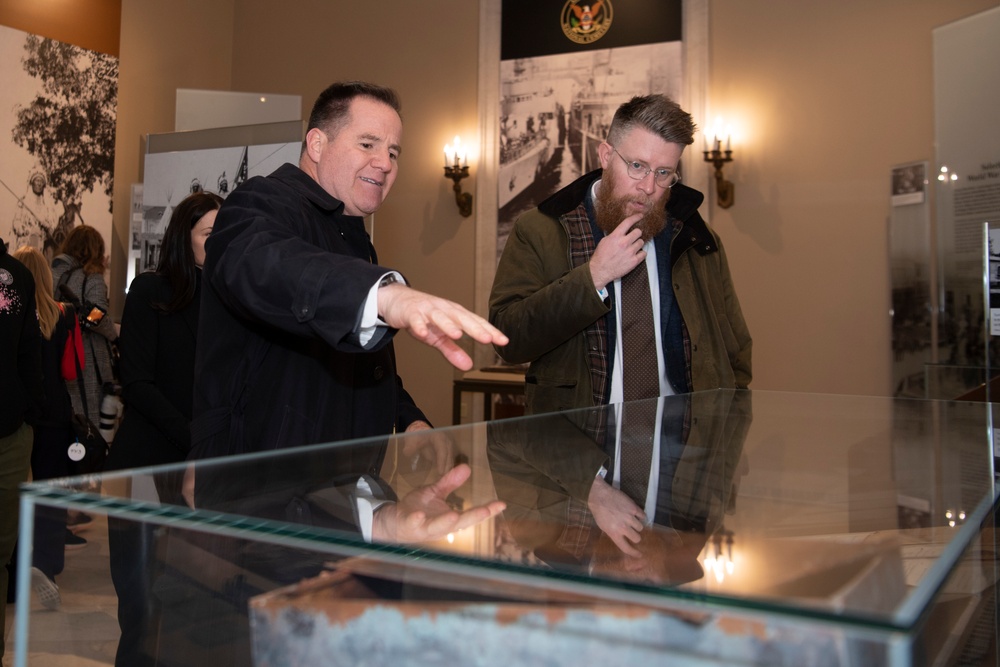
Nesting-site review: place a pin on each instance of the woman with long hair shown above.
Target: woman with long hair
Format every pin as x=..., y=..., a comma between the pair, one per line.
x=52, y=431
x=157, y=346
x=78, y=274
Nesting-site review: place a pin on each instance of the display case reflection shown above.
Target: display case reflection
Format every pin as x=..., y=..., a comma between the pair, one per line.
x=564, y=480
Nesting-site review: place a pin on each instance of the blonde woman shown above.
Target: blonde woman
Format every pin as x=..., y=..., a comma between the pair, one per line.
x=52, y=430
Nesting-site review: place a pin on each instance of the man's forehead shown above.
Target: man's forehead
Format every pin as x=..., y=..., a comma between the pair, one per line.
x=645, y=146
x=374, y=121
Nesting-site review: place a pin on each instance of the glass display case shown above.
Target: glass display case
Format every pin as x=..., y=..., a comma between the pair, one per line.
x=721, y=527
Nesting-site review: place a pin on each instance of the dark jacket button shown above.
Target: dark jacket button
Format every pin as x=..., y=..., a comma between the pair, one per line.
x=378, y=373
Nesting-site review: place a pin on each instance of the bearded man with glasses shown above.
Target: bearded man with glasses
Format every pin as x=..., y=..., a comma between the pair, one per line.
x=562, y=286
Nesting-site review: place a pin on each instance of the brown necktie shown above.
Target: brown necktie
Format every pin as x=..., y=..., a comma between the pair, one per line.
x=638, y=427
x=640, y=375
x=640, y=380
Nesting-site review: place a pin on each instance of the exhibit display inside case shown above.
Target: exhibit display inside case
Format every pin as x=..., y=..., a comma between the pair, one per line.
x=773, y=528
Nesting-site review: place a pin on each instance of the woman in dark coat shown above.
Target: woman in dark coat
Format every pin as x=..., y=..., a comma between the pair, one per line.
x=52, y=431
x=157, y=345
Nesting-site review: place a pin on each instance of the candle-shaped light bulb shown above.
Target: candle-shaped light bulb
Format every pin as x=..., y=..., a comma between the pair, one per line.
x=449, y=155
x=459, y=151
x=729, y=137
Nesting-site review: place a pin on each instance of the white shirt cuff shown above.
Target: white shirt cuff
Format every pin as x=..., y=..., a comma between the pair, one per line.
x=367, y=504
x=370, y=320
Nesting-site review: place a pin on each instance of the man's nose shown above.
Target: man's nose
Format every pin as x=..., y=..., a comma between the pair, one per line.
x=647, y=183
x=382, y=161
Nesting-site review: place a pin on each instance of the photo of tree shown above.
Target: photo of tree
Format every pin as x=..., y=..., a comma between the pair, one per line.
x=57, y=169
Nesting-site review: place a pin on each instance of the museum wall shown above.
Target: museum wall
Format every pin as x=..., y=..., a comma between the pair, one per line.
x=830, y=96
x=165, y=45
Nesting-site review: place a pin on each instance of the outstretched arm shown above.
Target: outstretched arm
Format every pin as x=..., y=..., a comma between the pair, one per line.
x=436, y=322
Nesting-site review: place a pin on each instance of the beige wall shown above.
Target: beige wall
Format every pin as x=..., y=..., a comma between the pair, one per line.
x=165, y=45
x=832, y=94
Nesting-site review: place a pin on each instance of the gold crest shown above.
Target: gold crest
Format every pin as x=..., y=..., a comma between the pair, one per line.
x=586, y=21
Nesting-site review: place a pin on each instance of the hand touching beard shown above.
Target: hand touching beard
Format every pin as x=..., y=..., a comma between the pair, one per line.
x=611, y=210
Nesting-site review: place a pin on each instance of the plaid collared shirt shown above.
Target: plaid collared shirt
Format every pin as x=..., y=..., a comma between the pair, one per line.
x=581, y=248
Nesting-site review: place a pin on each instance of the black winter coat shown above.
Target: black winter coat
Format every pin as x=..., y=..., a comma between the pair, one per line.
x=157, y=375
x=279, y=363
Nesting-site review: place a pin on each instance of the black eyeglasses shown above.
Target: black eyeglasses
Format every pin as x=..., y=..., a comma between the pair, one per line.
x=665, y=178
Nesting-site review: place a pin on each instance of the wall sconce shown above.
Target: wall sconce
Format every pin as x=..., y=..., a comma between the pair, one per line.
x=456, y=167
x=724, y=190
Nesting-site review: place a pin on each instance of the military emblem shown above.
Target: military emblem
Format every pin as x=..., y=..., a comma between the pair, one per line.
x=584, y=22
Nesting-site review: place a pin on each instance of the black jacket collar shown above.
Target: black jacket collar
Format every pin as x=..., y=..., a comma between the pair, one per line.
x=313, y=191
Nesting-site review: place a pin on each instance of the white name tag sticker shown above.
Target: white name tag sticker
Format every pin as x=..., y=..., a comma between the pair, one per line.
x=76, y=452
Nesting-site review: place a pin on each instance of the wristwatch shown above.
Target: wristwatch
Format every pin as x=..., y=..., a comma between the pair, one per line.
x=388, y=279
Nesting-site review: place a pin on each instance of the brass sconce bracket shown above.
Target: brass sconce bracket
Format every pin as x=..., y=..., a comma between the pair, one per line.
x=724, y=190
x=463, y=199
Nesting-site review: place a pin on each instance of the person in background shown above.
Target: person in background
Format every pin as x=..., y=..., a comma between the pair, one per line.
x=37, y=214
x=23, y=393
x=78, y=274
x=52, y=428
x=158, y=336
x=565, y=280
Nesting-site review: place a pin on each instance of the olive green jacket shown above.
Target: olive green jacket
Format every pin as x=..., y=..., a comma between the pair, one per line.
x=545, y=305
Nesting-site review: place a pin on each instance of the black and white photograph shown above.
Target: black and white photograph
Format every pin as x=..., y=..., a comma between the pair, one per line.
x=555, y=111
x=913, y=512
x=558, y=95
x=57, y=138
x=909, y=182
x=993, y=263
x=170, y=177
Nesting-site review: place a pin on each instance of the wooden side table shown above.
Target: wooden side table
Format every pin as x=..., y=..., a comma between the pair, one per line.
x=486, y=383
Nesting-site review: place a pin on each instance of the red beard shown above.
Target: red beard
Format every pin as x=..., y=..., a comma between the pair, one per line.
x=611, y=211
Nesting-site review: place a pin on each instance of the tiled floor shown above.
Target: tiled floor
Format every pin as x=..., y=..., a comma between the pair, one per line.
x=83, y=632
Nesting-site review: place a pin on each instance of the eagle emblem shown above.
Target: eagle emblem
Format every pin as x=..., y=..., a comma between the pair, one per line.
x=586, y=21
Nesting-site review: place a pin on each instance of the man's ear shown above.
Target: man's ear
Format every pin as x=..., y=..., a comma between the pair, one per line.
x=315, y=142
x=604, y=153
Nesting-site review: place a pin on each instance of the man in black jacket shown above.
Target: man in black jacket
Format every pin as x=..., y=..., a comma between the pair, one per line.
x=21, y=377
x=297, y=317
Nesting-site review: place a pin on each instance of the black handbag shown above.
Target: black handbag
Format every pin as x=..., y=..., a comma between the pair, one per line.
x=88, y=453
